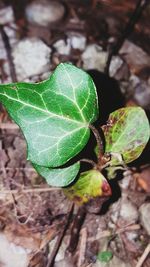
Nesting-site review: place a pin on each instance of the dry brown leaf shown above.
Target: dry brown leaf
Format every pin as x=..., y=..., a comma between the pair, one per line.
x=48, y=236
x=22, y=236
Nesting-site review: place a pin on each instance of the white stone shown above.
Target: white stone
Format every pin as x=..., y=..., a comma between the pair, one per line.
x=132, y=236
x=12, y=34
x=142, y=95
x=6, y=15
x=128, y=211
x=62, y=47
x=61, y=253
x=114, y=213
x=78, y=41
x=127, y=178
x=145, y=216
x=115, y=65
x=31, y=57
x=94, y=58
x=12, y=255
x=135, y=56
x=140, y=90
x=6, y=68
x=44, y=12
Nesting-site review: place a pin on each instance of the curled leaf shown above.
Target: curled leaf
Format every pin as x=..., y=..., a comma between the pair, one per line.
x=126, y=133
x=90, y=185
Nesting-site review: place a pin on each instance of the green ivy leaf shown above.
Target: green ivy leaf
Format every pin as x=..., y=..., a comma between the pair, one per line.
x=59, y=177
x=127, y=133
x=54, y=115
x=105, y=256
x=91, y=184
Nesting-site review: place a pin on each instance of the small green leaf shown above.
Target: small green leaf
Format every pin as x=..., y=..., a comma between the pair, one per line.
x=54, y=115
x=127, y=133
x=90, y=185
x=58, y=177
x=105, y=256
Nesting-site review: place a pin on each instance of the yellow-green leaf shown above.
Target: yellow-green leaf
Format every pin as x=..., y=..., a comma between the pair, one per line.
x=91, y=184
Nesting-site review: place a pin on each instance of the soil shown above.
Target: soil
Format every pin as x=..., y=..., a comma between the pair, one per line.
x=32, y=215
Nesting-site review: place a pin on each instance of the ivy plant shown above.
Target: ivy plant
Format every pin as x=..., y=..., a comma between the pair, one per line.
x=56, y=117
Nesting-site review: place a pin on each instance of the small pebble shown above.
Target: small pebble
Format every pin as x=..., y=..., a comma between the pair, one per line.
x=135, y=56
x=6, y=15
x=16, y=256
x=140, y=91
x=78, y=41
x=115, y=64
x=45, y=12
x=62, y=47
x=31, y=57
x=94, y=58
x=145, y=216
x=128, y=211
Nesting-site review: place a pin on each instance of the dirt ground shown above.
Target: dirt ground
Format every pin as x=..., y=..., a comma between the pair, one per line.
x=33, y=41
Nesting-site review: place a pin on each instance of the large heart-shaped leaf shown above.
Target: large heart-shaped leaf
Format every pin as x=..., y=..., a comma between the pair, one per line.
x=127, y=133
x=59, y=177
x=91, y=184
x=54, y=115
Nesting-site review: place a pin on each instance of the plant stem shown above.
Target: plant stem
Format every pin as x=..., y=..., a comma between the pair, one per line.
x=99, y=142
x=90, y=162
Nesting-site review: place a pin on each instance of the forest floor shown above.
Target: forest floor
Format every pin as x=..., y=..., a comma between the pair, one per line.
x=34, y=38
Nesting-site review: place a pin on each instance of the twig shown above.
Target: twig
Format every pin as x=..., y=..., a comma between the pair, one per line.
x=82, y=249
x=90, y=162
x=30, y=190
x=19, y=217
x=52, y=233
x=60, y=238
x=30, y=169
x=10, y=202
x=19, y=8
x=9, y=55
x=78, y=221
x=144, y=256
x=110, y=234
x=102, y=234
x=140, y=6
x=99, y=142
